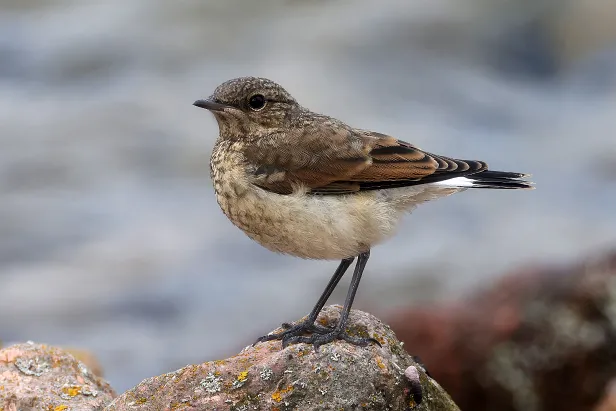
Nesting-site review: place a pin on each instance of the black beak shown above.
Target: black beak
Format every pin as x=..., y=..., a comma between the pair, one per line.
x=210, y=105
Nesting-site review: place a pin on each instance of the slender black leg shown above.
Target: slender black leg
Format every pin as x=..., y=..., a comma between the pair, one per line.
x=308, y=325
x=333, y=282
x=339, y=332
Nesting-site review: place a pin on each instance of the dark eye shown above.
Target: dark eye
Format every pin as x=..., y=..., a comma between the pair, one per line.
x=256, y=102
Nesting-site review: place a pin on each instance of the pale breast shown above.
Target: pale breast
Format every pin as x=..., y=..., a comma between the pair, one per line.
x=308, y=226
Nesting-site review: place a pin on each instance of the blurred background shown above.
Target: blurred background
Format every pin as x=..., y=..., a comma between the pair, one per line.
x=111, y=239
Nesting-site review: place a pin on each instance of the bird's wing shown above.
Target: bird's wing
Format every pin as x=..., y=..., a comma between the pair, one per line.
x=324, y=161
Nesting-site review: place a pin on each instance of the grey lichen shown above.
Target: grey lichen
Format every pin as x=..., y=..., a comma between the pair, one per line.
x=34, y=366
x=211, y=383
x=266, y=373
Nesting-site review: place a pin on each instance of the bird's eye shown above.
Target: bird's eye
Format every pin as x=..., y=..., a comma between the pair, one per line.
x=256, y=102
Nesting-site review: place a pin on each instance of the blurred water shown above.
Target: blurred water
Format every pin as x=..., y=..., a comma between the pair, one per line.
x=110, y=238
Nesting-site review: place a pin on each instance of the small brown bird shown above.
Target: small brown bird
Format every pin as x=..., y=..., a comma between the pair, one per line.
x=309, y=185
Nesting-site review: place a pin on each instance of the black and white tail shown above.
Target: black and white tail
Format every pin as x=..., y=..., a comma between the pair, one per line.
x=490, y=179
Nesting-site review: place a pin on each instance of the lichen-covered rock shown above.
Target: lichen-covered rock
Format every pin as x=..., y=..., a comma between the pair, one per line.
x=266, y=377
x=541, y=339
x=85, y=356
x=40, y=377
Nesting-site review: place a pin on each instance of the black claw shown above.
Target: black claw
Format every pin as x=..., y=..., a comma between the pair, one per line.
x=288, y=336
x=261, y=339
x=318, y=335
x=322, y=329
x=374, y=340
x=287, y=341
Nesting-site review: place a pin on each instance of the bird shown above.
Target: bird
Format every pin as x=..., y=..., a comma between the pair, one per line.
x=308, y=185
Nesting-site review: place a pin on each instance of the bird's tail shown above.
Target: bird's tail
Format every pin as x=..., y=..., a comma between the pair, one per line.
x=490, y=179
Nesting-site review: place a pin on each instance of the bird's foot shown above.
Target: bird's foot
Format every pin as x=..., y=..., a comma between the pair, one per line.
x=319, y=339
x=295, y=330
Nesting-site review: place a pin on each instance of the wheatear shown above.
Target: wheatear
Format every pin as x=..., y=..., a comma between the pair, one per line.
x=309, y=185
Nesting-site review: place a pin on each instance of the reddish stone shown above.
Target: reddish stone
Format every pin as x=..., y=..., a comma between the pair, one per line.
x=543, y=338
x=40, y=377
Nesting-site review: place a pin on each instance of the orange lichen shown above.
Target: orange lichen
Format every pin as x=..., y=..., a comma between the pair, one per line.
x=277, y=396
x=60, y=408
x=141, y=401
x=72, y=390
x=380, y=363
x=242, y=377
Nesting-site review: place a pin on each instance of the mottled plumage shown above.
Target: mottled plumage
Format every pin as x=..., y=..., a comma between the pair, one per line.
x=309, y=185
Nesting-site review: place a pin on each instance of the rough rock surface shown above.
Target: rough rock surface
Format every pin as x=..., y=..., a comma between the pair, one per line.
x=540, y=339
x=266, y=377
x=39, y=377
x=85, y=356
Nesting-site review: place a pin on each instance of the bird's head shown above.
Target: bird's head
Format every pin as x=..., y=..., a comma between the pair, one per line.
x=249, y=106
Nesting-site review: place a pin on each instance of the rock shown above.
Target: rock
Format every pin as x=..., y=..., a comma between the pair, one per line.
x=40, y=377
x=86, y=357
x=539, y=339
x=608, y=402
x=266, y=377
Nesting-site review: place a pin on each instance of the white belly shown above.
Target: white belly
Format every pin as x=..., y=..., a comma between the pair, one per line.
x=308, y=226
x=319, y=227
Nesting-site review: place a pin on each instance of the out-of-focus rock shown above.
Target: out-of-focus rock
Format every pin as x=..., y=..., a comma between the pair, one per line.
x=86, y=357
x=608, y=402
x=39, y=377
x=540, y=339
x=266, y=377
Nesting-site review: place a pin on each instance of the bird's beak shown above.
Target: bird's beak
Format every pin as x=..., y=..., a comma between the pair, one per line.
x=210, y=105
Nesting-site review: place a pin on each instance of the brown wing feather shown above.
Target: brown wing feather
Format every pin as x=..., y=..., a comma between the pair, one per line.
x=345, y=161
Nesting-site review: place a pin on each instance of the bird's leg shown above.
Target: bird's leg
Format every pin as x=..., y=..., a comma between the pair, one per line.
x=339, y=332
x=308, y=325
